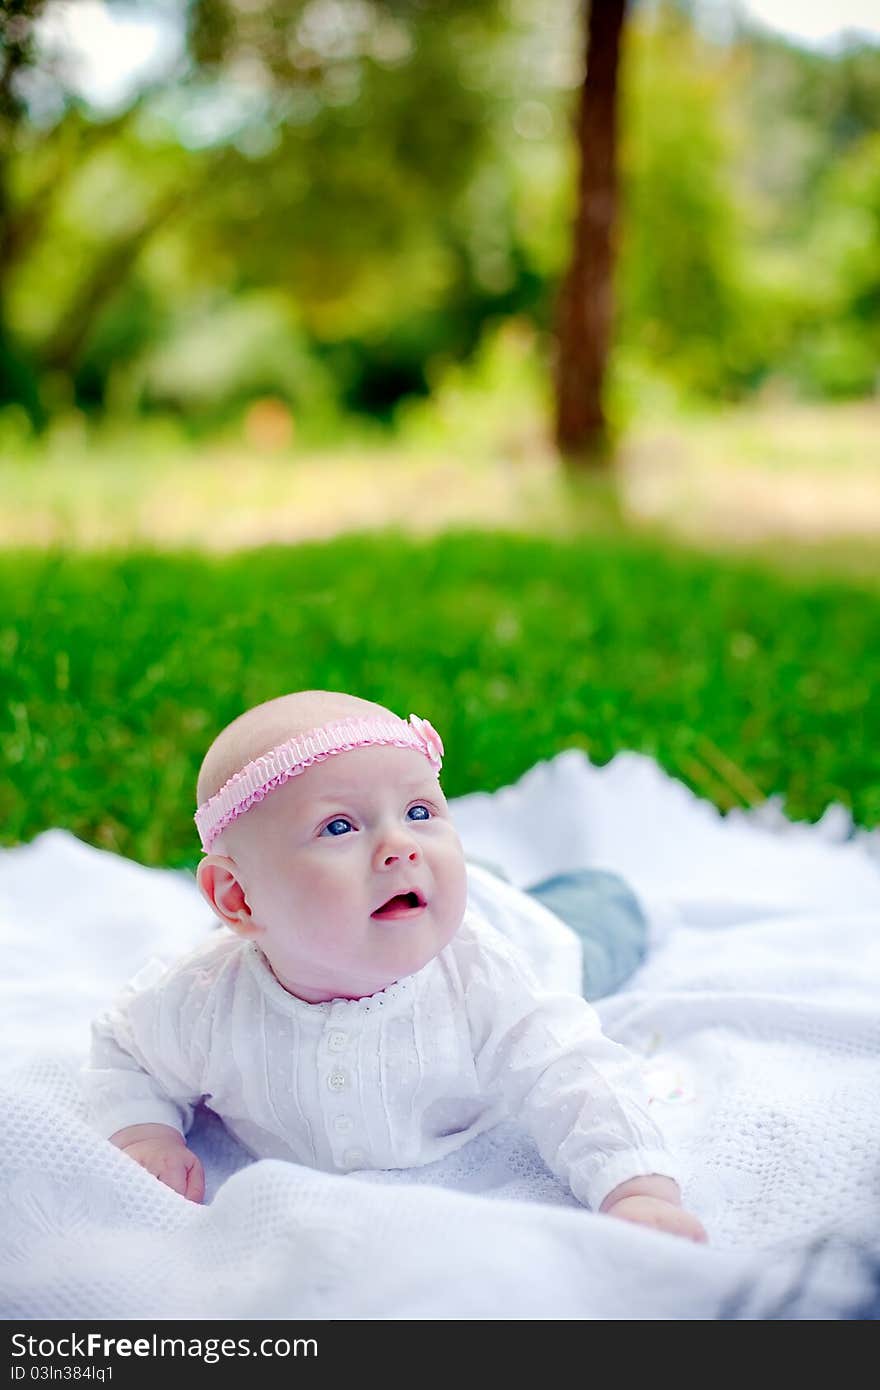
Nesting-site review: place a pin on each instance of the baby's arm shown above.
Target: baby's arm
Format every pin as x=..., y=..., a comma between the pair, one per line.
x=141, y=1085
x=580, y=1094
x=163, y=1152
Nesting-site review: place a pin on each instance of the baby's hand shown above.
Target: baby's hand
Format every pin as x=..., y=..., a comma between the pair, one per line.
x=663, y=1216
x=653, y=1201
x=162, y=1151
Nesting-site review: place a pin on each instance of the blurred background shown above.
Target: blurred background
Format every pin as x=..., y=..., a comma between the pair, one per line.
x=358, y=344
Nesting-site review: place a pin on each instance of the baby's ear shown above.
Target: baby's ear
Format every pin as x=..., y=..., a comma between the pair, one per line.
x=218, y=880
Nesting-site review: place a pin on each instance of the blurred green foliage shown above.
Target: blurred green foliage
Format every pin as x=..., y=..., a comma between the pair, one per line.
x=121, y=670
x=331, y=204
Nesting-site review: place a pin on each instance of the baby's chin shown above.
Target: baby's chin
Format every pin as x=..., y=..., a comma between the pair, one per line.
x=407, y=959
x=395, y=953
x=398, y=949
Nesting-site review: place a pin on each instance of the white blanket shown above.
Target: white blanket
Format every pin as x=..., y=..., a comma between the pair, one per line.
x=756, y=1015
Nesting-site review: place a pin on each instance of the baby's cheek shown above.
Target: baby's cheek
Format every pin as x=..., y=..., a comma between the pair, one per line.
x=458, y=887
x=316, y=884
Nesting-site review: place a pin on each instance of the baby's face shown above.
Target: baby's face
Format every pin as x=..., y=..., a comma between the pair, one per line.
x=323, y=858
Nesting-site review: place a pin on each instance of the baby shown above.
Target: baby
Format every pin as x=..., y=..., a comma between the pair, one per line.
x=358, y=1013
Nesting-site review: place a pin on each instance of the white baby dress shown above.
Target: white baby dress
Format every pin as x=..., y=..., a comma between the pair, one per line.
x=395, y=1080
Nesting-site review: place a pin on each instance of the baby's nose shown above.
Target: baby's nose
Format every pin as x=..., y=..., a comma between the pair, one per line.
x=395, y=847
x=393, y=858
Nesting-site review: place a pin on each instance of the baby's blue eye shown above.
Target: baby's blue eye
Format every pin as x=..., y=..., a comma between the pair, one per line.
x=340, y=820
x=426, y=816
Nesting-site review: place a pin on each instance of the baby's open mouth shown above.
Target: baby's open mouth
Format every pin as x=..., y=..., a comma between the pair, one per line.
x=401, y=905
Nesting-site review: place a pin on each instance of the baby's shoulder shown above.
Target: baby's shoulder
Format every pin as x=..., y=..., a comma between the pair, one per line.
x=220, y=956
x=480, y=949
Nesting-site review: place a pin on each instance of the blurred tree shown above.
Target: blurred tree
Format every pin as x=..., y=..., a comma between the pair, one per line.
x=684, y=305
x=809, y=172
x=838, y=352
x=297, y=152
x=375, y=122
x=17, y=17
x=585, y=308
x=332, y=201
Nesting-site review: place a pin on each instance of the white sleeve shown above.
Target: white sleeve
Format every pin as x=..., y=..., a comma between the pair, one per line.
x=143, y=1067
x=581, y=1095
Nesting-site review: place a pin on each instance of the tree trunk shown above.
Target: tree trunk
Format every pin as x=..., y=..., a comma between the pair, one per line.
x=586, y=299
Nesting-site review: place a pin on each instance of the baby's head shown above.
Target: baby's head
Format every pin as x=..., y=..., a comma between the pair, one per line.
x=307, y=870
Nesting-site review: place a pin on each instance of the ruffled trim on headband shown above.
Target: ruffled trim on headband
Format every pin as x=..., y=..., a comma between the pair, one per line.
x=254, y=782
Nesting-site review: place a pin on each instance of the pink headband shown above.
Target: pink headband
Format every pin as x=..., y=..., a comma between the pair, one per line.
x=289, y=759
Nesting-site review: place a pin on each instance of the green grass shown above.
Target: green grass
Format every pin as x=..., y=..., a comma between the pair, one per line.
x=118, y=670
